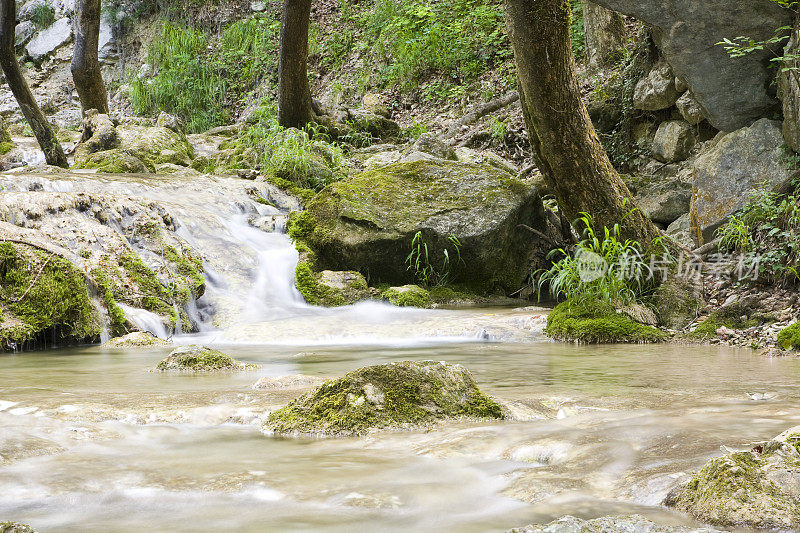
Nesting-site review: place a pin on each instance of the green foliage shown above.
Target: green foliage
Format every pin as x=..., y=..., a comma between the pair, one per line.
x=578, y=32
x=789, y=337
x=414, y=40
x=597, y=322
x=199, y=82
x=603, y=268
x=44, y=15
x=426, y=269
x=413, y=132
x=767, y=231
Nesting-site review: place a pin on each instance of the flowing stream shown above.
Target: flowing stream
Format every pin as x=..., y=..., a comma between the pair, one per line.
x=92, y=442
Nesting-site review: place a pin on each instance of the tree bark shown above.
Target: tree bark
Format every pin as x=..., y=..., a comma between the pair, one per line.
x=295, y=107
x=85, y=62
x=53, y=153
x=565, y=144
x=605, y=35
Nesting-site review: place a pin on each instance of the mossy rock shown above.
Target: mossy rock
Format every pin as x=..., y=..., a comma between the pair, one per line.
x=387, y=396
x=200, y=359
x=114, y=161
x=597, y=323
x=15, y=527
x=737, y=316
x=42, y=295
x=156, y=145
x=367, y=222
x=408, y=296
x=677, y=300
x=756, y=489
x=137, y=339
x=329, y=288
x=789, y=337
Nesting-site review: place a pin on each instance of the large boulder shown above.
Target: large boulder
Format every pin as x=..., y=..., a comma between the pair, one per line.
x=609, y=524
x=50, y=40
x=657, y=90
x=732, y=92
x=674, y=141
x=727, y=174
x=367, y=222
x=751, y=489
x=388, y=396
x=664, y=200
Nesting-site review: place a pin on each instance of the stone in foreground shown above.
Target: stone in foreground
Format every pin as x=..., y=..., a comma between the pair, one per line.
x=14, y=527
x=598, y=323
x=200, y=359
x=608, y=524
x=388, y=396
x=755, y=489
x=137, y=339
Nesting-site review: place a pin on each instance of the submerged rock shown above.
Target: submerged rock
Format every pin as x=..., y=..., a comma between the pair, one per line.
x=137, y=339
x=200, y=359
x=755, y=489
x=297, y=381
x=597, y=323
x=386, y=397
x=367, y=223
x=15, y=527
x=609, y=524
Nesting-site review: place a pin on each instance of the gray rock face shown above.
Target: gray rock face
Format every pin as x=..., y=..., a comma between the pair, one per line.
x=757, y=489
x=736, y=164
x=732, y=92
x=609, y=524
x=664, y=200
x=427, y=143
x=50, y=40
x=673, y=142
x=24, y=33
x=690, y=109
x=657, y=90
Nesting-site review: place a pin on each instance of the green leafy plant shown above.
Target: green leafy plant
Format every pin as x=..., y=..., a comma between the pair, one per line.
x=43, y=16
x=427, y=271
x=603, y=267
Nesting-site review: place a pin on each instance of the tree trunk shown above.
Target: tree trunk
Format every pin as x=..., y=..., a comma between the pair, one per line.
x=295, y=108
x=85, y=63
x=565, y=145
x=53, y=153
x=605, y=35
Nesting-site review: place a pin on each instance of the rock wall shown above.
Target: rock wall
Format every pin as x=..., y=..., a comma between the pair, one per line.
x=733, y=93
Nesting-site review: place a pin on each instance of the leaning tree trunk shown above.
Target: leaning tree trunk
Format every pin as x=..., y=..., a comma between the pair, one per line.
x=85, y=62
x=295, y=107
x=605, y=35
x=53, y=153
x=565, y=145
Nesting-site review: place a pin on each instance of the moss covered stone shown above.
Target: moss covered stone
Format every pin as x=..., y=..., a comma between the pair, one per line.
x=789, y=337
x=408, y=296
x=200, y=359
x=386, y=397
x=329, y=288
x=137, y=339
x=15, y=527
x=755, y=489
x=597, y=323
x=367, y=222
x=737, y=316
x=114, y=161
x=43, y=295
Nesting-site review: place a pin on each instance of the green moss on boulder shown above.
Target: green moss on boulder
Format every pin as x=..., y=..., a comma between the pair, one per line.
x=408, y=296
x=114, y=161
x=200, y=359
x=329, y=288
x=367, y=222
x=597, y=323
x=386, y=397
x=43, y=293
x=755, y=489
x=789, y=337
x=15, y=527
x=737, y=316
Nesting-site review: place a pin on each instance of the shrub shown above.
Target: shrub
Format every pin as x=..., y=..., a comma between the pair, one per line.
x=44, y=15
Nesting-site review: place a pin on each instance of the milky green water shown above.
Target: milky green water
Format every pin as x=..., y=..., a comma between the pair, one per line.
x=94, y=443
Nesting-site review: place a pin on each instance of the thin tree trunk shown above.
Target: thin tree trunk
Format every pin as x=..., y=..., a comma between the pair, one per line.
x=295, y=108
x=85, y=62
x=565, y=144
x=605, y=35
x=53, y=153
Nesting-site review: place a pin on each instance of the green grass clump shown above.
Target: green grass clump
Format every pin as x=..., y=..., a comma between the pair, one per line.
x=789, y=337
x=597, y=323
x=42, y=293
x=386, y=396
x=44, y=15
